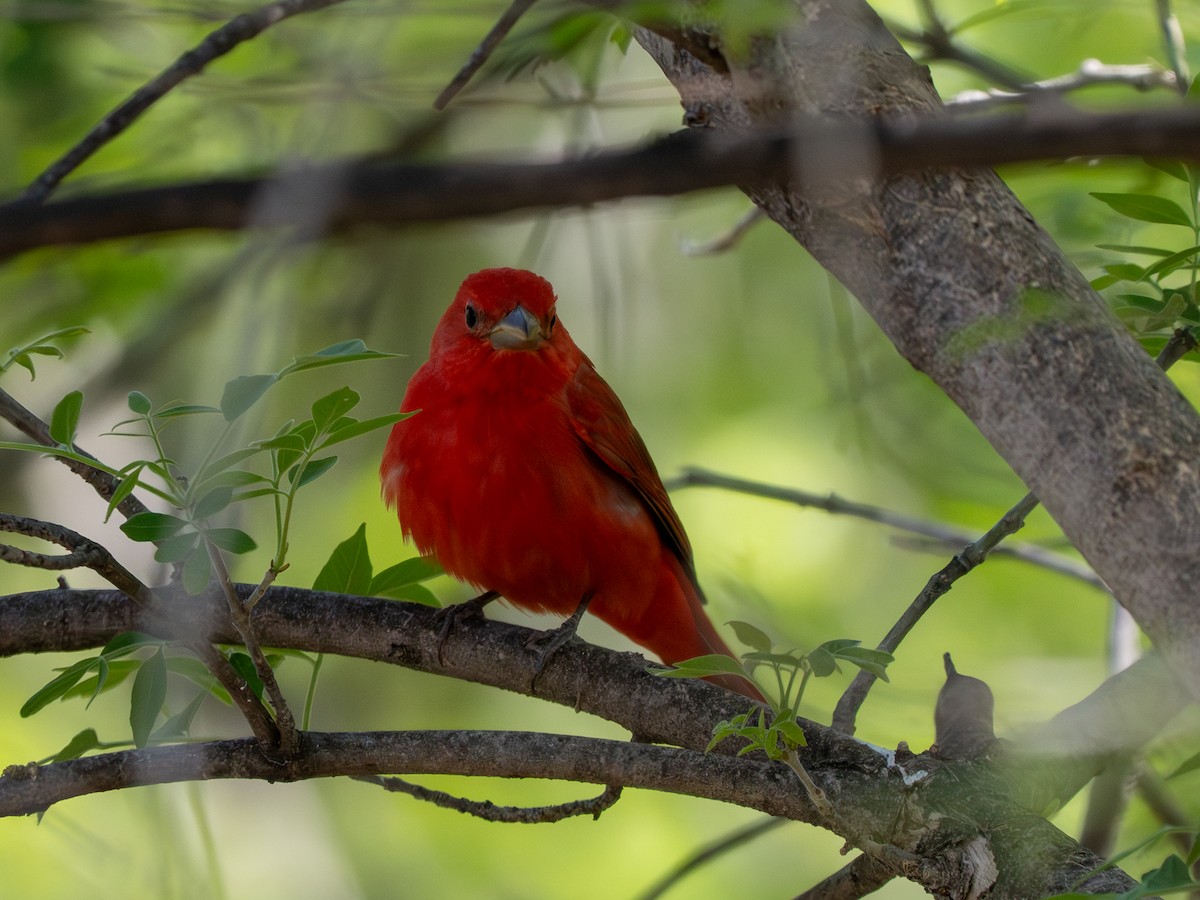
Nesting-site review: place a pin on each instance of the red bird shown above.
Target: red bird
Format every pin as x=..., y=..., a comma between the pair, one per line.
x=524, y=476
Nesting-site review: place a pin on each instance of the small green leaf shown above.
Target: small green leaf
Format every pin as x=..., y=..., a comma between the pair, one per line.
x=1191, y=764
x=118, y=671
x=873, y=661
x=245, y=667
x=406, y=572
x=792, y=732
x=243, y=392
x=175, y=410
x=700, y=666
x=80, y=744
x=1172, y=875
x=151, y=526
x=213, y=502
x=197, y=569
x=228, y=460
x=58, y=686
x=177, y=548
x=1172, y=167
x=126, y=642
x=328, y=409
x=66, y=418
x=313, y=470
x=179, y=724
x=123, y=489
x=344, y=351
x=348, y=569
x=354, y=428
x=233, y=540
x=837, y=645
x=751, y=636
x=1132, y=248
x=147, y=697
x=139, y=403
x=413, y=593
x=1146, y=208
x=822, y=663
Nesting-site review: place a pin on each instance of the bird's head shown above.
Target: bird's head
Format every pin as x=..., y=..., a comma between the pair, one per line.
x=500, y=309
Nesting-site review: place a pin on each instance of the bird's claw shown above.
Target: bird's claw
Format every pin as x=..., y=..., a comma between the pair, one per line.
x=545, y=644
x=450, y=616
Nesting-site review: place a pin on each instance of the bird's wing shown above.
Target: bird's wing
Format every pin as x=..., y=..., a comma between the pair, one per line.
x=604, y=427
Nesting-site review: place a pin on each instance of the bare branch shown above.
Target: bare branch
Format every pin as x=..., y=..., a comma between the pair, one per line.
x=1090, y=72
x=397, y=194
x=727, y=241
x=489, y=812
x=85, y=553
x=483, y=52
x=831, y=503
x=1174, y=44
x=216, y=44
x=725, y=845
x=861, y=876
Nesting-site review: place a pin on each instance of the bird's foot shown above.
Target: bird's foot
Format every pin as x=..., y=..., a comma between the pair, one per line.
x=545, y=644
x=450, y=616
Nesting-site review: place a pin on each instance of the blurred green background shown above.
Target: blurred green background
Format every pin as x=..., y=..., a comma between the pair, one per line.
x=751, y=362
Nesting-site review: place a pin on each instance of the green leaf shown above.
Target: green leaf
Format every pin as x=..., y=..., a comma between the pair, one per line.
x=177, y=548
x=117, y=671
x=1146, y=208
x=228, y=460
x=751, y=636
x=80, y=744
x=313, y=470
x=406, y=572
x=233, y=540
x=124, y=488
x=413, y=593
x=245, y=667
x=147, y=697
x=1132, y=248
x=151, y=526
x=328, y=409
x=1191, y=764
x=348, y=569
x=344, y=351
x=1171, y=263
x=822, y=663
x=837, y=645
x=66, y=418
x=139, y=403
x=212, y=502
x=873, y=661
x=700, y=666
x=197, y=569
x=1172, y=167
x=126, y=642
x=354, y=428
x=792, y=732
x=179, y=724
x=58, y=686
x=1172, y=875
x=175, y=410
x=243, y=392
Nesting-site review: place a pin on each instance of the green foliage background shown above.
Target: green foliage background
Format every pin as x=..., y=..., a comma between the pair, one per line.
x=752, y=362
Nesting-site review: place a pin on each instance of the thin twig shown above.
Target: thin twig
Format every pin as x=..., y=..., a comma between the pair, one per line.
x=1090, y=72
x=240, y=614
x=1030, y=553
x=30, y=425
x=863, y=875
x=939, y=44
x=481, y=54
x=727, y=241
x=216, y=44
x=725, y=845
x=490, y=812
x=84, y=553
x=972, y=555
x=1174, y=45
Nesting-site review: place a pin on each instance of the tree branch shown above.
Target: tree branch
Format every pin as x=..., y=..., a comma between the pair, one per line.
x=490, y=812
x=217, y=44
x=396, y=194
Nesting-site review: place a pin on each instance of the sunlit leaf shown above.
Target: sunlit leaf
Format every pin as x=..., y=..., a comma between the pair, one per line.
x=65, y=419
x=1146, y=208
x=348, y=569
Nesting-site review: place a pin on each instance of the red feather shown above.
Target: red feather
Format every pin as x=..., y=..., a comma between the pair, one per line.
x=523, y=474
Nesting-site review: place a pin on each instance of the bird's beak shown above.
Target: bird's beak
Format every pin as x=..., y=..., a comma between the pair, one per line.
x=519, y=330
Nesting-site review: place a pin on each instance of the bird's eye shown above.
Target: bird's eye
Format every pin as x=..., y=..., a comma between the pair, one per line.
x=472, y=316
x=553, y=320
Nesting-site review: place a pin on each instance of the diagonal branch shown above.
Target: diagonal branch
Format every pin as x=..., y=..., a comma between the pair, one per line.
x=216, y=44
x=483, y=52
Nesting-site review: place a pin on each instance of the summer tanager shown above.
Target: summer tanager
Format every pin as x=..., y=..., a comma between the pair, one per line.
x=524, y=476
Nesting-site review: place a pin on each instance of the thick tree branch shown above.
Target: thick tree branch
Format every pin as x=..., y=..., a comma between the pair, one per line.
x=398, y=194
x=871, y=787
